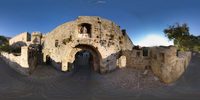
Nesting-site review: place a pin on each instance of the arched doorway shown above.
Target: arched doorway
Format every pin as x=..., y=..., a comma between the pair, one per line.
x=83, y=62
x=94, y=61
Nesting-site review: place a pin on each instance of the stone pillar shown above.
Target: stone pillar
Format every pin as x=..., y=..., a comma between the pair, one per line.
x=64, y=65
x=44, y=58
x=24, y=57
x=122, y=61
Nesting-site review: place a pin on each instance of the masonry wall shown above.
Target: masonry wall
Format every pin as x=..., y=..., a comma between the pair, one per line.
x=14, y=63
x=36, y=37
x=163, y=61
x=20, y=40
x=127, y=43
x=22, y=64
x=172, y=67
x=135, y=59
x=106, y=37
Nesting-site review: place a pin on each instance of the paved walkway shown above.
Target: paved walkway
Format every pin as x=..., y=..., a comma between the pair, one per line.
x=47, y=83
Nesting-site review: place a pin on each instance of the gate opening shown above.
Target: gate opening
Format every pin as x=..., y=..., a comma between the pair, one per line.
x=83, y=61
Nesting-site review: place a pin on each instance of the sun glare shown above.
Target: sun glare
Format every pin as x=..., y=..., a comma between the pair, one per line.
x=156, y=41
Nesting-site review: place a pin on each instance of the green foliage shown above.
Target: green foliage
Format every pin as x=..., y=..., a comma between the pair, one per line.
x=176, y=31
x=67, y=40
x=4, y=44
x=197, y=48
x=181, y=36
x=5, y=48
x=121, y=39
x=112, y=37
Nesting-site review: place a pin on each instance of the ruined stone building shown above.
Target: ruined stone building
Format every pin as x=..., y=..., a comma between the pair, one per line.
x=20, y=40
x=110, y=49
x=26, y=39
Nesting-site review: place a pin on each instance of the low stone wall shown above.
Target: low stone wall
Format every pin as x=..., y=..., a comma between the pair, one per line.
x=170, y=72
x=162, y=60
x=14, y=62
x=135, y=59
x=24, y=64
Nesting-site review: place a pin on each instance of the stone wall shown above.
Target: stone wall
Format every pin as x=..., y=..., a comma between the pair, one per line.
x=36, y=37
x=163, y=61
x=171, y=67
x=135, y=59
x=21, y=64
x=122, y=61
x=110, y=47
x=20, y=40
x=127, y=43
x=104, y=37
x=14, y=62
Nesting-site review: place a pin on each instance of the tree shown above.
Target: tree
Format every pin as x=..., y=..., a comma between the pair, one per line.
x=4, y=44
x=197, y=47
x=181, y=36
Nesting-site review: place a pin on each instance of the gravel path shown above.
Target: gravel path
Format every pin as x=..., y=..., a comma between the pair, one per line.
x=133, y=79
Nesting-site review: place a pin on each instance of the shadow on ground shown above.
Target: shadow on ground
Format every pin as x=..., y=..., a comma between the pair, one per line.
x=83, y=83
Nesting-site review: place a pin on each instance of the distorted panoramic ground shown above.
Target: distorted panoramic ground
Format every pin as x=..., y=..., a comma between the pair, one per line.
x=47, y=83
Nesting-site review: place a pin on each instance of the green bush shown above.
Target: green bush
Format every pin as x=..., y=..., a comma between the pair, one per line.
x=4, y=44
x=5, y=48
x=67, y=40
x=112, y=37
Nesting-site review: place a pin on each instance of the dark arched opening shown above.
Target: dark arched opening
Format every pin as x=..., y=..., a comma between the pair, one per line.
x=83, y=61
x=48, y=60
x=93, y=58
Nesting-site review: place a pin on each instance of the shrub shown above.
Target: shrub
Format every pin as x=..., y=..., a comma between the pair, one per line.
x=67, y=40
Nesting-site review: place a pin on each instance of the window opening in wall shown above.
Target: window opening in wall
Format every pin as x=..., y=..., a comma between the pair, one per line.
x=145, y=52
x=35, y=40
x=48, y=60
x=162, y=57
x=85, y=30
x=138, y=54
x=56, y=43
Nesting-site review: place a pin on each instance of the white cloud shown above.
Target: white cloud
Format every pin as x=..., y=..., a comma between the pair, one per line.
x=96, y=1
x=156, y=41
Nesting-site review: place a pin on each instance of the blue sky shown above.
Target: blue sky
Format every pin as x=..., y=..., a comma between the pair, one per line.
x=141, y=18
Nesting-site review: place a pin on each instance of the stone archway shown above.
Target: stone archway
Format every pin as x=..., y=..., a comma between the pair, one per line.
x=96, y=56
